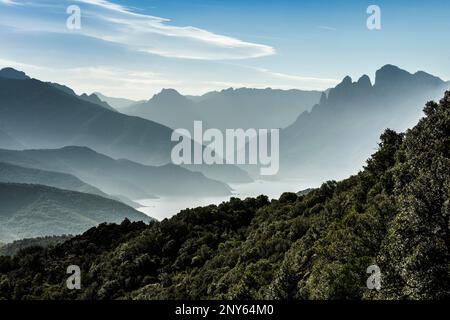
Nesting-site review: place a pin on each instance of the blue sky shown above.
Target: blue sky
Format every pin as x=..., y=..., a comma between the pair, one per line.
x=135, y=48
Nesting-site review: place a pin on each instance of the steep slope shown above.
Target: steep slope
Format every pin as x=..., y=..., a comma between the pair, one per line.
x=393, y=214
x=42, y=116
x=28, y=211
x=122, y=177
x=336, y=137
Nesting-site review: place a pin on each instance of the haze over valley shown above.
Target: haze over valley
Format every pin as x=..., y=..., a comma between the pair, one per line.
x=50, y=136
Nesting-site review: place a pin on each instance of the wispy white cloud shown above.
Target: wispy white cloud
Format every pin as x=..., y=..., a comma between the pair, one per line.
x=296, y=77
x=118, y=8
x=9, y=2
x=109, y=21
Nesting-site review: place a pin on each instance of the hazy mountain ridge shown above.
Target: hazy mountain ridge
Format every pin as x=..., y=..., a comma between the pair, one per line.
x=116, y=103
x=227, y=109
x=10, y=173
x=10, y=73
x=335, y=137
x=169, y=108
x=115, y=177
x=96, y=100
x=58, y=119
x=29, y=211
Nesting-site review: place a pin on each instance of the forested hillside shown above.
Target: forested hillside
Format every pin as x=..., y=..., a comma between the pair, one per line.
x=395, y=214
x=29, y=211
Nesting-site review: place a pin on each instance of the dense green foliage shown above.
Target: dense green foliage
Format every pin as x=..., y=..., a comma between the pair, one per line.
x=394, y=213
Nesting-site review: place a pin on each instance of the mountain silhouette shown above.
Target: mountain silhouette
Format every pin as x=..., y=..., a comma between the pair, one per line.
x=340, y=132
x=92, y=98
x=42, y=116
x=10, y=73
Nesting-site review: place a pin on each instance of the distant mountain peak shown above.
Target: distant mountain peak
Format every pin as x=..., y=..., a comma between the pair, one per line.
x=168, y=96
x=347, y=80
x=93, y=98
x=167, y=92
x=391, y=67
x=10, y=73
x=390, y=75
x=364, y=81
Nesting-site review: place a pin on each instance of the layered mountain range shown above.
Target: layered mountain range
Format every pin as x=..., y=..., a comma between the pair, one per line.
x=44, y=115
x=118, y=177
x=325, y=135
x=56, y=142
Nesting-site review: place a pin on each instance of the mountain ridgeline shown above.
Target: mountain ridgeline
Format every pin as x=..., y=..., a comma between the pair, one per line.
x=316, y=245
x=39, y=115
x=29, y=211
x=10, y=173
x=227, y=109
x=117, y=177
x=333, y=139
